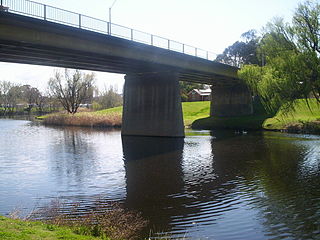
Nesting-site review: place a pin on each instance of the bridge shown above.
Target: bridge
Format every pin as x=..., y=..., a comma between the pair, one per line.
x=34, y=33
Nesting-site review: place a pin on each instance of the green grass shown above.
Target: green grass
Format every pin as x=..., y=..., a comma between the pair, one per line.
x=191, y=111
x=195, y=110
x=301, y=114
x=253, y=122
x=109, y=110
x=197, y=114
x=301, y=117
x=25, y=230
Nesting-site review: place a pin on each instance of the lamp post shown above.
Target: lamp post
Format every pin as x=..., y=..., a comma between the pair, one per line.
x=109, y=29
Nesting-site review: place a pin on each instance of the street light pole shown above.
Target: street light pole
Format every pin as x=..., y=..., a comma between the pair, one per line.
x=109, y=30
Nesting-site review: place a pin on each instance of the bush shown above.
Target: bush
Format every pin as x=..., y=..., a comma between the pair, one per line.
x=105, y=220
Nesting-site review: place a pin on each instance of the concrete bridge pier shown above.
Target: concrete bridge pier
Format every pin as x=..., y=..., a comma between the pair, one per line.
x=231, y=101
x=152, y=105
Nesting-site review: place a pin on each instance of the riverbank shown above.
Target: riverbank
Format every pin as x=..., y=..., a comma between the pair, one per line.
x=83, y=119
x=113, y=117
x=108, y=221
x=250, y=122
x=25, y=230
x=300, y=120
x=196, y=116
x=303, y=119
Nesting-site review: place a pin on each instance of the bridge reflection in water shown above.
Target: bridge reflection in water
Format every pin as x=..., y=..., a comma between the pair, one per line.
x=222, y=187
x=252, y=186
x=153, y=176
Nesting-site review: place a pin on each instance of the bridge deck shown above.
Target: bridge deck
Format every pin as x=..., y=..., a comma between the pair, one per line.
x=34, y=41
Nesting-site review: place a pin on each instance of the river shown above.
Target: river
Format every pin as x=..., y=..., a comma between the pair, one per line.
x=210, y=185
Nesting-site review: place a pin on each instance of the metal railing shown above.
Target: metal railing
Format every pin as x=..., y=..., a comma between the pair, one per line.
x=58, y=15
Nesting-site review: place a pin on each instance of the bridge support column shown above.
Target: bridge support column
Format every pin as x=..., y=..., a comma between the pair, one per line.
x=230, y=101
x=152, y=105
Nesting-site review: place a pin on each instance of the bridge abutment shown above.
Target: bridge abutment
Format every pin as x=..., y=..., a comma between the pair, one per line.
x=230, y=101
x=152, y=105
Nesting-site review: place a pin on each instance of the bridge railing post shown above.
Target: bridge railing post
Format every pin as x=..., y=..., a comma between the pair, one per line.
x=44, y=12
x=79, y=20
x=196, y=52
x=168, y=44
x=108, y=28
x=151, y=40
x=131, y=34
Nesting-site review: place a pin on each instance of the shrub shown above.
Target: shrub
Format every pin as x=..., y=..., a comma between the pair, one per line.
x=105, y=220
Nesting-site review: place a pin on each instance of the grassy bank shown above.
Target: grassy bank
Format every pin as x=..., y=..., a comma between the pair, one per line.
x=195, y=110
x=26, y=230
x=301, y=119
x=250, y=122
x=191, y=111
x=112, y=117
x=62, y=220
x=196, y=115
x=253, y=122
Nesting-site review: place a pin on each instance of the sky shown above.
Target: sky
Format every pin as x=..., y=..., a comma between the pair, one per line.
x=212, y=25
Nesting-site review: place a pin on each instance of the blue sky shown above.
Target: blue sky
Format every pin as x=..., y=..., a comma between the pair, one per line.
x=209, y=24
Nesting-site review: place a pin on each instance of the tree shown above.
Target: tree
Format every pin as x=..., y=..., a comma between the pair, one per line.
x=9, y=93
x=31, y=95
x=109, y=98
x=292, y=60
x=72, y=89
x=241, y=52
x=40, y=101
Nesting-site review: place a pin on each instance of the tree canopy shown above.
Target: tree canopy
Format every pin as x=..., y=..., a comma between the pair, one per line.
x=241, y=52
x=290, y=53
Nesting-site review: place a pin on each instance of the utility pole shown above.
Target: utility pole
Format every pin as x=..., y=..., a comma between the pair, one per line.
x=109, y=28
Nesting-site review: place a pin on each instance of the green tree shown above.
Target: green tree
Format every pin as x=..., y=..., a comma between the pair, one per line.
x=72, y=89
x=292, y=63
x=241, y=52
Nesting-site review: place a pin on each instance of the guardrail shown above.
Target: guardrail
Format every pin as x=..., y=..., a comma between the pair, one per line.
x=58, y=15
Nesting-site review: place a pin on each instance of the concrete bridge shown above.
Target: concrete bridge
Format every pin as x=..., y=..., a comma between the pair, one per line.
x=152, y=105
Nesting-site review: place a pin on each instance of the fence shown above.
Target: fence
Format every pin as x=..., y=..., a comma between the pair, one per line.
x=58, y=15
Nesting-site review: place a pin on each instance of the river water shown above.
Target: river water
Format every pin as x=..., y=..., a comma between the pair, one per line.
x=210, y=185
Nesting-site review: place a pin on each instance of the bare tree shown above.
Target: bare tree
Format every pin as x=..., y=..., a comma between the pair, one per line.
x=72, y=89
x=9, y=93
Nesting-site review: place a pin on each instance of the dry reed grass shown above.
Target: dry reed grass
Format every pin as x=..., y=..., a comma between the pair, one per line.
x=105, y=220
x=85, y=119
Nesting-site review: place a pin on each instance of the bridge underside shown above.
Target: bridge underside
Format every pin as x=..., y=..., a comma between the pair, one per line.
x=152, y=104
x=33, y=41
